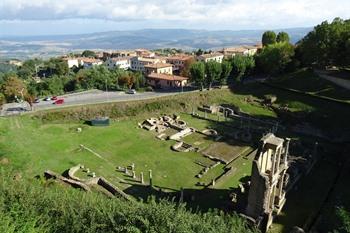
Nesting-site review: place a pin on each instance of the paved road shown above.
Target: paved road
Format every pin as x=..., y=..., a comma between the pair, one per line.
x=96, y=96
x=337, y=81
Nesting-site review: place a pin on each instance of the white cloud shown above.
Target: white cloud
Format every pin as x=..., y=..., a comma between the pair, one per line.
x=262, y=13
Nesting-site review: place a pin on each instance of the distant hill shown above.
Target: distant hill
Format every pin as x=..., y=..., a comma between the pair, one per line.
x=45, y=46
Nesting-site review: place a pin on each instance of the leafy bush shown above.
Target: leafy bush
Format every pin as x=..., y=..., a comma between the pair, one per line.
x=41, y=206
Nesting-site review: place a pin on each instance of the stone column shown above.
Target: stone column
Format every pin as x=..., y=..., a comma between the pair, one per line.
x=181, y=195
x=286, y=150
x=150, y=178
x=133, y=174
x=141, y=178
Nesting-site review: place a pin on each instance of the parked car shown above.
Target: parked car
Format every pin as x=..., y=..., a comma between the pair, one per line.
x=47, y=98
x=131, y=91
x=37, y=100
x=54, y=98
x=59, y=101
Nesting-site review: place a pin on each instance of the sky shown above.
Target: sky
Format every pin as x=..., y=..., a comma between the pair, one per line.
x=51, y=17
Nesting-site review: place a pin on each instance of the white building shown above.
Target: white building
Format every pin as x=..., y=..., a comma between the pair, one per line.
x=120, y=62
x=218, y=57
x=88, y=63
x=71, y=62
x=139, y=63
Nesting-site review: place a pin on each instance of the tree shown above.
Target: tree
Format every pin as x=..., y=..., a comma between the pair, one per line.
x=273, y=59
x=282, y=37
x=187, y=65
x=269, y=37
x=88, y=53
x=344, y=217
x=29, y=68
x=327, y=44
x=140, y=80
x=197, y=74
x=213, y=72
x=2, y=99
x=226, y=69
x=199, y=52
x=242, y=65
x=14, y=88
x=56, y=66
x=125, y=80
x=30, y=99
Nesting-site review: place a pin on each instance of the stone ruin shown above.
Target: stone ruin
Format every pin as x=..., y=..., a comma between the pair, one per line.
x=183, y=147
x=227, y=110
x=86, y=184
x=268, y=181
x=183, y=133
x=161, y=124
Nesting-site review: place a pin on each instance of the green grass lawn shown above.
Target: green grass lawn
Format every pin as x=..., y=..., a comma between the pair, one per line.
x=34, y=147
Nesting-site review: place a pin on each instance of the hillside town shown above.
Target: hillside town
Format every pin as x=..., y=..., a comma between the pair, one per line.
x=160, y=71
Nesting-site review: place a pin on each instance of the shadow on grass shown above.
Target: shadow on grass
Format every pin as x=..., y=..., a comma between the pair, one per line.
x=328, y=116
x=195, y=199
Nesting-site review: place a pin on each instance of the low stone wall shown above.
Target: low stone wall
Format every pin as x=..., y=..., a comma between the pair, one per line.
x=112, y=189
x=72, y=171
x=50, y=174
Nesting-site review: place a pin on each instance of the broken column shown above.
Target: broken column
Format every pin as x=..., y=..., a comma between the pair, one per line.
x=141, y=178
x=150, y=178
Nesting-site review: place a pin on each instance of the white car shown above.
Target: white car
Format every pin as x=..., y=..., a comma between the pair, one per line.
x=131, y=91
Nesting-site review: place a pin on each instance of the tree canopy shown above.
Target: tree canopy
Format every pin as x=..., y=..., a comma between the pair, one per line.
x=88, y=53
x=269, y=37
x=327, y=44
x=197, y=73
x=242, y=65
x=14, y=88
x=274, y=58
x=282, y=37
x=213, y=72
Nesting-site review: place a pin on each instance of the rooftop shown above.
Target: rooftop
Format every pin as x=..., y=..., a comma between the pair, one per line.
x=159, y=65
x=88, y=59
x=120, y=58
x=167, y=77
x=210, y=55
x=180, y=57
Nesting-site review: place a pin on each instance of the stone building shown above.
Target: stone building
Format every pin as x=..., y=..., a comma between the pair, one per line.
x=268, y=181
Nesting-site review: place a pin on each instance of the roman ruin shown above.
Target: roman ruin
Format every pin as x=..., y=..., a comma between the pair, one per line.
x=268, y=181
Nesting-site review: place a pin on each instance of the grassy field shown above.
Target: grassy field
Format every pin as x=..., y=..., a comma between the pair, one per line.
x=34, y=147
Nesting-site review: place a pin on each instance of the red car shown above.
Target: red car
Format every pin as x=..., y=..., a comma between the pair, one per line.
x=59, y=101
x=54, y=98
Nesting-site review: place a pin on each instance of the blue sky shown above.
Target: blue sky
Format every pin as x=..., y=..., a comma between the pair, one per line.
x=48, y=17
